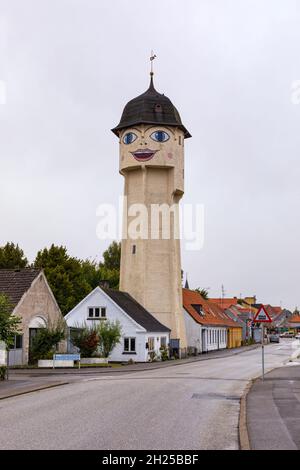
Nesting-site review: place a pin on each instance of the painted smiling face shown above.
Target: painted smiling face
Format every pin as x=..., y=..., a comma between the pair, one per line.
x=145, y=143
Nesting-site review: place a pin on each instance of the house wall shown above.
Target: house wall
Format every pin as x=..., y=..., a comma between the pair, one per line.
x=193, y=332
x=37, y=302
x=234, y=337
x=215, y=338
x=130, y=329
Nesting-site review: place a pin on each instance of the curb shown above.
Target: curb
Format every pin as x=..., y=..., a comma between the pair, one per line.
x=37, y=388
x=243, y=430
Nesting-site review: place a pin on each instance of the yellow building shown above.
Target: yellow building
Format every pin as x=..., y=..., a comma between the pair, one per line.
x=234, y=337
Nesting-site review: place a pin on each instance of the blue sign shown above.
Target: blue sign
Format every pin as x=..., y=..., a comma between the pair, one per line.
x=66, y=357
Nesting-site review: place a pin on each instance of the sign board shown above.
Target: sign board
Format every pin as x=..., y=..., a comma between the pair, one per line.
x=262, y=316
x=66, y=357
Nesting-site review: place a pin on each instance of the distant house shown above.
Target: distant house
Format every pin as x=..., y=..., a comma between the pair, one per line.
x=294, y=322
x=234, y=313
x=208, y=328
x=142, y=334
x=32, y=299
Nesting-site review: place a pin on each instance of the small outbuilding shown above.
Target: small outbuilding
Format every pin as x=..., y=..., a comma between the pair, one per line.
x=143, y=335
x=33, y=301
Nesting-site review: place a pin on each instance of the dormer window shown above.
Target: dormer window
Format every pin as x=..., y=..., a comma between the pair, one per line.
x=198, y=308
x=96, y=313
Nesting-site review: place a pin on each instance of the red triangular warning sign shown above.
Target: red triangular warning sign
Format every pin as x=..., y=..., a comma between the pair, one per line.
x=262, y=316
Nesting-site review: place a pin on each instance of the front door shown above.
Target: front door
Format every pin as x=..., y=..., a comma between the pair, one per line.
x=15, y=355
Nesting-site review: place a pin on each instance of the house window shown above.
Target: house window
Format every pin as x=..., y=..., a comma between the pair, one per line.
x=151, y=344
x=133, y=249
x=18, y=342
x=163, y=342
x=129, y=345
x=96, y=312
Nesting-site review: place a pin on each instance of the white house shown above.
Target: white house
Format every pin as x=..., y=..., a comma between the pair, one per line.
x=142, y=334
x=206, y=329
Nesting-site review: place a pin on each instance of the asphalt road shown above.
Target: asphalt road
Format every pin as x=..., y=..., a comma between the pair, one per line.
x=191, y=406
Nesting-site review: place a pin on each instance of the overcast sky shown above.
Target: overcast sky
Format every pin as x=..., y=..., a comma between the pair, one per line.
x=70, y=66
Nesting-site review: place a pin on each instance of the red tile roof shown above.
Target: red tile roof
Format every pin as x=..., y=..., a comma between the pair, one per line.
x=225, y=303
x=213, y=314
x=294, y=318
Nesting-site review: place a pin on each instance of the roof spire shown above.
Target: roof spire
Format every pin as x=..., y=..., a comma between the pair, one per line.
x=186, y=282
x=152, y=57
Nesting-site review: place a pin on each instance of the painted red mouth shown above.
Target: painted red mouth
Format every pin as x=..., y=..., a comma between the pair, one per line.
x=143, y=155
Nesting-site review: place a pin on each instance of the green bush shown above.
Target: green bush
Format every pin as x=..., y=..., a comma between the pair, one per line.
x=3, y=370
x=109, y=336
x=44, y=344
x=164, y=353
x=86, y=339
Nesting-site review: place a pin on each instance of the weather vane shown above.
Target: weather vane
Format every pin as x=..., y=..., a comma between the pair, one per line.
x=153, y=56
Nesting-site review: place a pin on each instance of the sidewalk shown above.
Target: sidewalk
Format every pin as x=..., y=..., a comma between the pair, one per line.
x=273, y=410
x=14, y=387
x=23, y=381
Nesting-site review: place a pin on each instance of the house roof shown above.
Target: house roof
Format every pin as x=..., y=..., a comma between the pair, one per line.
x=213, y=314
x=225, y=303
x=15, y=283
x=135, y=310
x=294, y=318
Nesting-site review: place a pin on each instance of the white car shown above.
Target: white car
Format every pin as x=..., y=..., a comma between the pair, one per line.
x=297, y=336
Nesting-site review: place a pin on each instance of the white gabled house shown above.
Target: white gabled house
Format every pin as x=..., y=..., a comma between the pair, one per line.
x=142, y=334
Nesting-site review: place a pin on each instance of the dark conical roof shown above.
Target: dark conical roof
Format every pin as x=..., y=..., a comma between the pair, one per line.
x=150, y=108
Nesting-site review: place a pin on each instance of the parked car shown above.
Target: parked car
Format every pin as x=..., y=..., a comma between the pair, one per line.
x=287, y=334
x=297, y=336
x=274, y=339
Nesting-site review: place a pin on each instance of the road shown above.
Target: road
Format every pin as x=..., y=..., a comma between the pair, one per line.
x=191, y=406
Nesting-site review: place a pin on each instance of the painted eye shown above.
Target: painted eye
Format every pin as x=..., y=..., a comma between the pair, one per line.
x=160, y=136
x=129, y=138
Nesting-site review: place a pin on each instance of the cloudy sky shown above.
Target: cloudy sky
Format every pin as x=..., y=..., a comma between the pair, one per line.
x=67, y=68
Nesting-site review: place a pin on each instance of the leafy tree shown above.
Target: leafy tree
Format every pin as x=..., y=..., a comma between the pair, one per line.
x=12, y=257
x=45, y=342
x=112, y=257
x=109, y=335
x=9, y=324
x=65, y=276
x=203, y=292
x=86, y=339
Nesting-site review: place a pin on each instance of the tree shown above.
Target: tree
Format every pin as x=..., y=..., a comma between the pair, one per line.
x=12, y=257
x=112, y=257
x=203, y=292
x=86, y=339
x=9, y=324
x=65, y=276
x=109, y=336
x=45, y=342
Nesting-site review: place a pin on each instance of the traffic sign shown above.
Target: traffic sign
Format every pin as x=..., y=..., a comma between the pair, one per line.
x=262, y=316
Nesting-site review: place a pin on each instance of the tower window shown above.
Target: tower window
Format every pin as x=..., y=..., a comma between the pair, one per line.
x=133, y=249
x=179, y=140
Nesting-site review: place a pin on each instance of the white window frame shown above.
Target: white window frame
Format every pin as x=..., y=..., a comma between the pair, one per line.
x=101, y=310
x=130, y=350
